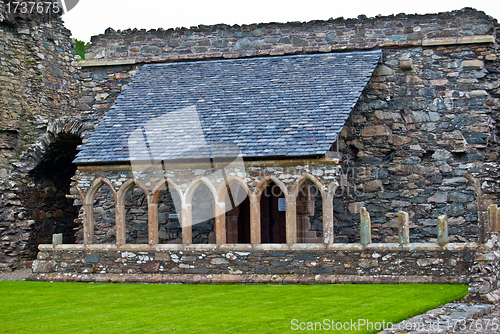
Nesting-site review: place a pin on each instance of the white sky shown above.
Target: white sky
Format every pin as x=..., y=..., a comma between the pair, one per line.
x=92, y=17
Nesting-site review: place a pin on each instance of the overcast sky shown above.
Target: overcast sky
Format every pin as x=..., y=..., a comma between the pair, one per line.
x=92, y=17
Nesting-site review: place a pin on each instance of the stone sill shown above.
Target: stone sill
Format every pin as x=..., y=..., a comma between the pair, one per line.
x=478, y=39
x=246, y=279
x=454, y=247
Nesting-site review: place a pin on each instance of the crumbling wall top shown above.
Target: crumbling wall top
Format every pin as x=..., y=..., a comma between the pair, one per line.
x=224, y=41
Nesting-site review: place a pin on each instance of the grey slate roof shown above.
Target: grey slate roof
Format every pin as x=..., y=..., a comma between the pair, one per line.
x=286, y=106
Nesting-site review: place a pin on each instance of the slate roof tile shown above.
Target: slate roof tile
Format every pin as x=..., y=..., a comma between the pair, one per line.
x=258, y=107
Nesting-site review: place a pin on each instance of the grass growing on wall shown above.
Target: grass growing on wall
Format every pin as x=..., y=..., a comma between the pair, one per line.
x=40, y=307
x=80, y=48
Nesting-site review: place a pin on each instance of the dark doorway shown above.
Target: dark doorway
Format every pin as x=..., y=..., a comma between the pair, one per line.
x=46, y=199
x=273, y=215
x=238, y=217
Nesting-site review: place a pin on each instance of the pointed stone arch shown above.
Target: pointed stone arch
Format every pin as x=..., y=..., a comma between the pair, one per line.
x=94, y=188
x=70, y=125
x=153, y=207
x=160, y=186
x=229, y=182
x=326, y=203
x=221, y=222
x=263, y=183
x=122, y=192
x=187, y=210
x=121, y=232
x=290, y=220
x=88, y=207
x=188, y=197
x=304, y=178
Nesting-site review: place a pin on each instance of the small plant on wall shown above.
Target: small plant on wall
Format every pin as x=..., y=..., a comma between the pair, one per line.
x=80, y=48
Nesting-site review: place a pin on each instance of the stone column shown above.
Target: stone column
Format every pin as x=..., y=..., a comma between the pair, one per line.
x=254, y=220
x=88, y=224
x=220, y=223
x=291, y=223
x=328, y=219
x=366, y=227
x=403, y=227
x=442, y=230
x=232, y=225
x=121, y=230
x=57, y=239
x=153, y=224
x=493, y=218
x=187, y=222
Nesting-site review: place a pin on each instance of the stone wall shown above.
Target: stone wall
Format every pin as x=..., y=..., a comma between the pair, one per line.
x=281, y=38
x=419, y=140
x=422, y=139
x=321, y=264
x=39, y=92
x=415, y=134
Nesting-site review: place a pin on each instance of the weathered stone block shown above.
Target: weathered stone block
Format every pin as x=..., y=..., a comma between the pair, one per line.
x=475, y=64
x=365, y=227
x=443, y=230
x=375, y=185
x=93, y=258
x=219, y=261
x=441, y=155
x=299, y=42
x=150, y=267
x=403, y=228
x=376, y=130
x=438, y=197
x=383, y=70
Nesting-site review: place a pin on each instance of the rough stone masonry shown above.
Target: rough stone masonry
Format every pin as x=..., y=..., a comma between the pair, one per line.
x=421, y=139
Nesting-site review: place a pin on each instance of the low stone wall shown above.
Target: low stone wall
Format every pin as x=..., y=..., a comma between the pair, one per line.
x=485, y=274
x=271, y=263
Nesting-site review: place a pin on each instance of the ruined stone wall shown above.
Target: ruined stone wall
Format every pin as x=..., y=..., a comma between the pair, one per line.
x=423, y=140
x=415, y=134
x=257, y=264
x=282, y=38
x=403, y=145
x=39, y=87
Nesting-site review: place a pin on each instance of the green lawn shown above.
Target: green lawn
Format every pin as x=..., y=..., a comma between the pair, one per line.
x=38, y=307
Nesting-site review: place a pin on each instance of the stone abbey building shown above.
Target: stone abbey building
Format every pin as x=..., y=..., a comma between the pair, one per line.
x=247, y=153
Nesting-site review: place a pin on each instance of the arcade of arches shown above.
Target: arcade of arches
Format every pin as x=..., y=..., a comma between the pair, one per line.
x=262, y=209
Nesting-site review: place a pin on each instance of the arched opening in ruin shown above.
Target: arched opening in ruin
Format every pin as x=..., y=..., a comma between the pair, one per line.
x=136, y=216
x=309, y=203
x=203, y=216
x=237, y=215
x=104, y=216
x=169, y=216
x=273, y=215
x=45, y=197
